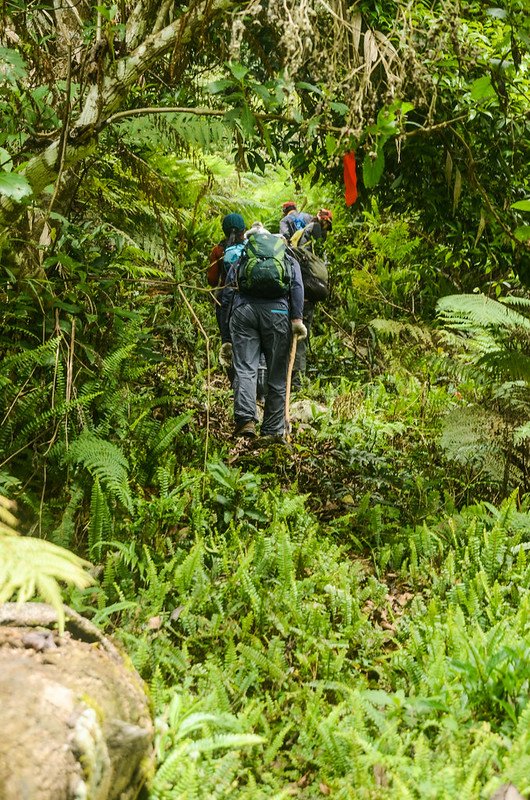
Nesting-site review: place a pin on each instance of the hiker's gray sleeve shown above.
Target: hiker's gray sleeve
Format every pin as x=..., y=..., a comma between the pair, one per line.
x=297, y=290
x=227, y=300
x=286, y=228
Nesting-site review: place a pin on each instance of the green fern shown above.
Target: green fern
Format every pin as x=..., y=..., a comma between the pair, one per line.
x=169, y=431
x=464, y=311
x=100, y=519
x=32, y=567
x=41, y=422
x=104, y=461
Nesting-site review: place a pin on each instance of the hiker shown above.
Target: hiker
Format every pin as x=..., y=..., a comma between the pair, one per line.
x=262, y=309
x=293, y=220
x=233, y=226
x=307, y=244
x=315, y=231
x=261, y=392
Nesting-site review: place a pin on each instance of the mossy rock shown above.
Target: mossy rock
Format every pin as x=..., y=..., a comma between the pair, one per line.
x=75, y=715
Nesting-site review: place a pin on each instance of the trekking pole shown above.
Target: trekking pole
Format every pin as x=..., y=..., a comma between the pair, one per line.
x=292, y=357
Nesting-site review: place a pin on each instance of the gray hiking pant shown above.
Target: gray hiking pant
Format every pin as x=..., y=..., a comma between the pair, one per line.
x=255, y=328
x=301, y=349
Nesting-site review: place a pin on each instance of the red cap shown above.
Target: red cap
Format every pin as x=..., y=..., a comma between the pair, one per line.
x=324, y=213
x=289, y=205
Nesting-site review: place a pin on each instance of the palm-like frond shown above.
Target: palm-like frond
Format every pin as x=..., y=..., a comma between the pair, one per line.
x=474, y=436
x=30, y=566
x=506, y=363
x=8, y=520
x=468, y=311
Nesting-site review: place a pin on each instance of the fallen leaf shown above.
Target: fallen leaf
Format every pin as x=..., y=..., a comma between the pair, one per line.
x=175, y=614
x=380, y=775
x=404, y=598
x=507, y=792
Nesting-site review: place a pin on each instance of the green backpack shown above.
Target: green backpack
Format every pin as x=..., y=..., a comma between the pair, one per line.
x=263, y=270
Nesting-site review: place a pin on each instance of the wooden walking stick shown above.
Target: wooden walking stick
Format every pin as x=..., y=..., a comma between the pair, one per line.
x=292, y=357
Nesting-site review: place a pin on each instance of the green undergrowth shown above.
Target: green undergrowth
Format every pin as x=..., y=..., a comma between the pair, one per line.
x=347, y=616
x=282, y=664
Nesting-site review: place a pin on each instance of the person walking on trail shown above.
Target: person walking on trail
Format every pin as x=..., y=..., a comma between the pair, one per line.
x=262, y=308
x=233, y=226
x=308, y=248
x=293, y=220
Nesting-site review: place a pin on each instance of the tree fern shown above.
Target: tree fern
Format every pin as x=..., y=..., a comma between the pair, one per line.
x=465, y=311
x=472, y=435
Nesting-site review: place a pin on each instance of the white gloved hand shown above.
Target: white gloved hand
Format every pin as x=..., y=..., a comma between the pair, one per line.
x=299, y=329
x=225, y=355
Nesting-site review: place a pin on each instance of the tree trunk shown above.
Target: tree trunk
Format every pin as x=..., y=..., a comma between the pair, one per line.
x=75, y=717
x=105, y=97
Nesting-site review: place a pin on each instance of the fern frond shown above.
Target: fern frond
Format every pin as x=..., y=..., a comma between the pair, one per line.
x=99, y=518
x=8, y=520
x=30, y=567
x=387, y=327
x=105, y=461
x=506, y=363
x=111, y=364
x=169, y=431
x=474, y=436
x=37, y=356
x=42, y=420
x=476, y=310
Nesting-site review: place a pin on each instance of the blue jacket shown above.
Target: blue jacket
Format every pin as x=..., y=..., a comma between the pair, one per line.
x=232, y=298
x=288, y=224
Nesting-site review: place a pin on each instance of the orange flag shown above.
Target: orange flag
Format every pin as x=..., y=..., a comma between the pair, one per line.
x=350, y=178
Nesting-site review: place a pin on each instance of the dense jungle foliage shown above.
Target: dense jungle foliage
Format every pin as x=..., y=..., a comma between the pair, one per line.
x=348, y=616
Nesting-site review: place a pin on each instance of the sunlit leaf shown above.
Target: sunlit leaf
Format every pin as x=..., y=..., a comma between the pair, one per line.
x=373, y=168
x=340, y=108
x=6, y=162
x=12, y=66
x=14, y=186
x=219, y=86
x=310, y=87
x=482, y=88
x=237, y=70
x=521, y=205
x=522, y=233
x=498, y=13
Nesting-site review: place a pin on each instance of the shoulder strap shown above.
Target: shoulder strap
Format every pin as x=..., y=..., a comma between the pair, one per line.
x=295, y=238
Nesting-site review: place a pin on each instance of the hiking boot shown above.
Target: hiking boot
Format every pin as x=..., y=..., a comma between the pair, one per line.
x=272, y=438
x=246, y=429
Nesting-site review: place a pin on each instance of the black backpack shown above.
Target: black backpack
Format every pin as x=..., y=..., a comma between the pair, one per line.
x=314, y=274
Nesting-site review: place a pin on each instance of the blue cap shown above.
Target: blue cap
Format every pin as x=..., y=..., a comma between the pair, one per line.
x=233, y=222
